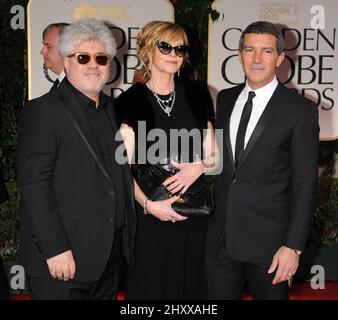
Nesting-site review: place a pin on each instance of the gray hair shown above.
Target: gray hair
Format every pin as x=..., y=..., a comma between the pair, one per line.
x=85, y=30
x=57, y=25
x=263, y=27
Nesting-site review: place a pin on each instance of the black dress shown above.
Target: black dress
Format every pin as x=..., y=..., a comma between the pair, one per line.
x=169, y=257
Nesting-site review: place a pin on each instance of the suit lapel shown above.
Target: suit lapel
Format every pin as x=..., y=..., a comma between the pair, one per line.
x=263, y=120
x=78, y=116
x=55, y=85
x=227, y=131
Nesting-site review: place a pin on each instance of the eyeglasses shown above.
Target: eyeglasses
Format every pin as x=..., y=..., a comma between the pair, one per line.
x=166, y=48
x=83, y=58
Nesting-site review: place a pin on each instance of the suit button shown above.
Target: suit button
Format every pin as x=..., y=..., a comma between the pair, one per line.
x=111, y=220
x=234, y=181
x=111, y=193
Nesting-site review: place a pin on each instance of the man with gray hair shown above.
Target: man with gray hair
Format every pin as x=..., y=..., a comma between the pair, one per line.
x=78, y=211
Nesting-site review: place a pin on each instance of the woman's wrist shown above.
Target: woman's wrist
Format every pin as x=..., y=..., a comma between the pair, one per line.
x=145, y=203
x=204, y=167
x=149, y=207
x=209, y=164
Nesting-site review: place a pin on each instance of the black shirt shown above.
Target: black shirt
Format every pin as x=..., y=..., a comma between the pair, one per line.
x=102, y=129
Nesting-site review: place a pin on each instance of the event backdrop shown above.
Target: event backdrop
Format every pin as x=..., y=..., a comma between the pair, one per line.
x=311, y=64
x=126, y=17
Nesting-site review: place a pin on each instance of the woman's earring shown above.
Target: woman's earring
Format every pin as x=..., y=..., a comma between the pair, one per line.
x=178, y=72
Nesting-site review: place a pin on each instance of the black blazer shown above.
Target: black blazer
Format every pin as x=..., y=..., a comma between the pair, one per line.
x=67, y=191
x=269, y=200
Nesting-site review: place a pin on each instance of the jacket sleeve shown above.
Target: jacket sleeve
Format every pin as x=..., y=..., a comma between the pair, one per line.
x=36, y=156
x=304, y=173
x=211, y=116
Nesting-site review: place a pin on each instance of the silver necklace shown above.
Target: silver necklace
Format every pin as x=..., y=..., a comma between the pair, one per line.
x=165, y=104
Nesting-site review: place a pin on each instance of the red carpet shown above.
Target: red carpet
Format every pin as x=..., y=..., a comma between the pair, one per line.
x=299, y=291
x=303, y=291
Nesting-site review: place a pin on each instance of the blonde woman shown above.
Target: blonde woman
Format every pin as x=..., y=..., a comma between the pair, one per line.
x=169, y=247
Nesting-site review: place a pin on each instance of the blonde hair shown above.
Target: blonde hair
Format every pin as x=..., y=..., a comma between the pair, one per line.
x=157, y=30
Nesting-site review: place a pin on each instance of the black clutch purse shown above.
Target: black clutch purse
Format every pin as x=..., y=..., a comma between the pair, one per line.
x=198, y=200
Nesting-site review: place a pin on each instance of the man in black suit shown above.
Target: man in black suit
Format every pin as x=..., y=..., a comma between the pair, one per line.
x=265, y=193
x=78, y=208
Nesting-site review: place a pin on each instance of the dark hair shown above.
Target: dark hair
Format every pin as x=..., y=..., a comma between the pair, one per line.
x=58, y=25
x=263, y=27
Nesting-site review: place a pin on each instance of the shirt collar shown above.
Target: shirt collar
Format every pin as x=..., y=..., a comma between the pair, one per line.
x=86, y=102
x=263, y=92
x=61, y=76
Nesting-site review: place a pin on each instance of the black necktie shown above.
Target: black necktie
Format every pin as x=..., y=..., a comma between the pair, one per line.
x=239, y=149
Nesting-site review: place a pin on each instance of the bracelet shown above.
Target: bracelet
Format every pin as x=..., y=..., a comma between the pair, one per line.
x=145, y=205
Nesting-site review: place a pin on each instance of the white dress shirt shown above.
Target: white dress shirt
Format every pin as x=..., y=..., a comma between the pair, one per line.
x=259, y=103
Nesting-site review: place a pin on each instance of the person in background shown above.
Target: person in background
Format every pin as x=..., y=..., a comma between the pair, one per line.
x=265, y=193
x=50, y=52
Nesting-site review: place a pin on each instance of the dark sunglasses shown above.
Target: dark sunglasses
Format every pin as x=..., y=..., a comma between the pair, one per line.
x=83, y=58
x=166, y=48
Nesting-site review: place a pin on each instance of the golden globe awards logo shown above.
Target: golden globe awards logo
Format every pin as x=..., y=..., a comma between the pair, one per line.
x=288, y=12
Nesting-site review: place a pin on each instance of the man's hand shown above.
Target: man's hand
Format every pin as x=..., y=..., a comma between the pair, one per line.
x=286, y=262
x=62, y=266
